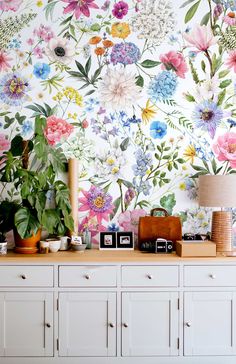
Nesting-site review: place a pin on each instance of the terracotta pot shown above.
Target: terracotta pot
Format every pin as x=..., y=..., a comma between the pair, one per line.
x=27, y=245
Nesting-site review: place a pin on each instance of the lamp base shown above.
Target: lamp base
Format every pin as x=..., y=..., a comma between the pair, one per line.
x=221, y=231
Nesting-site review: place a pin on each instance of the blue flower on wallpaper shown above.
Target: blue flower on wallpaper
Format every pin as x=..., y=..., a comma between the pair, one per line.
x=207, y=116
x=14, y=89
x=142, y=186
x=231, y=122
x=133, y=120
x=158, y=129
x=41, y=70
x=27, y=128
x=90, y=104
x=113, y=227
x=162, y=86
x=143, y=162
x=125, y=53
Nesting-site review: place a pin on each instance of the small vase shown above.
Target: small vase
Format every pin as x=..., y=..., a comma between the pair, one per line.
x=87, y=239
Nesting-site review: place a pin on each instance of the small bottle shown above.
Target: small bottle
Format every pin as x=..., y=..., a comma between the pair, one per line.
x=87, y=238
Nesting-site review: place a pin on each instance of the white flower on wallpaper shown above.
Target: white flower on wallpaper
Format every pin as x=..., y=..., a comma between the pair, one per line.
x=142, y=92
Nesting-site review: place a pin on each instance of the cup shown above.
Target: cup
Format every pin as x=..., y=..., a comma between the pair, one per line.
x=54, y=245
x=64, y=242
x=43, y=247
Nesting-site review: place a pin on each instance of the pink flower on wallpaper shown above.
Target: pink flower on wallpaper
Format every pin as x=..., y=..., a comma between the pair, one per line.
x=129, y=220
x=120, y=9
x=80, y=7
x=57, y=129
x=231, y=60
x=174, y=61
x=44, y=32
x=6, y=5
x=93, y=227
x=4, y=147
x=4, y=144
x=225, y=148
x=98, y=203
x=230, y=18
x=4, y=61
x=201, y=37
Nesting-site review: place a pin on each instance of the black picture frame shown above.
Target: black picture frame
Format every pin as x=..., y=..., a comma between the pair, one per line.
x=107, y=240
x=124, y=240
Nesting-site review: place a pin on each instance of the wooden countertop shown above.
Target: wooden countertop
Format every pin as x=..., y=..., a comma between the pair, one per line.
x=98, y=256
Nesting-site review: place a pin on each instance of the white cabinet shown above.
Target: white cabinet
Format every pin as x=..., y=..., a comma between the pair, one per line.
x=26, y=324
x=87, y=324
x=209, y=323
x=150, y=323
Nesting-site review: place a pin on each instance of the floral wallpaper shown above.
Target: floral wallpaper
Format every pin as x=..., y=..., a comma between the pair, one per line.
x=142, y=92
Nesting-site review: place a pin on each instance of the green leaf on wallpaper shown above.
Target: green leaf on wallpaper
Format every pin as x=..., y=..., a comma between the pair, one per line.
x=223, y=73
x=126, y=183
x=95, y=27
x=189, y=97
x=214, y=166
x=67, y=20
x=148, y=63
x=203, y=66
x=225, y=83
x=221, y=97
x=49, y=8
x=191, y=12
x=81, y=68
x=117, y=204
x=88, y=65
x=143, y=203
x=89, y=92
x=124, y=144
x=205, y=19
x=139, y=81
x=186, y=3
x=168, y=202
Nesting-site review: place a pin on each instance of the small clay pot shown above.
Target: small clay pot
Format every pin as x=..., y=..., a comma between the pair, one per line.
x=27, y=245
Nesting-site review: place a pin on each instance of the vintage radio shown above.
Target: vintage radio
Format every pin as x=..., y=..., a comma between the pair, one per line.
x=157, y=246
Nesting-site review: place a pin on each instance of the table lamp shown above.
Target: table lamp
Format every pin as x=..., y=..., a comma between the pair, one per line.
x=219, y=191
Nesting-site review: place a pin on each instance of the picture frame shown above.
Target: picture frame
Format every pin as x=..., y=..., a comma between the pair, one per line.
x=107, y=240
x=124, y=240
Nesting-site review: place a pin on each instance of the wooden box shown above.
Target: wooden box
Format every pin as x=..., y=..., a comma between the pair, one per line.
x=195, y=248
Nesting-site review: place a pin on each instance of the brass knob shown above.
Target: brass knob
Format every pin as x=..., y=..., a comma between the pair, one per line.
x=48, y=325
x=111, y=324
x=23, y=276
x=188, y=324
x=87, y=276
x=150, y=276
x=125, y=324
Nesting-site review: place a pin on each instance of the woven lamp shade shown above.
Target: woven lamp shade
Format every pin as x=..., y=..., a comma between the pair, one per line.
x=219, y=191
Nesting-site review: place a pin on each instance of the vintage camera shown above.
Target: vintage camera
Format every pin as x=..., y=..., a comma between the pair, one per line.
x=158, y=245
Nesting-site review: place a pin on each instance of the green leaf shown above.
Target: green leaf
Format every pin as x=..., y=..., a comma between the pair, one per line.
x=88, y=65
x=117, y=204
x=205, y=19
x=223, y=73
x=49, y=9
x=95, y=27
x=124, y=144
x=186, y=3
x=168, y=202
x=17, y=146
x=139, y=81
x=189, y=97
x=81, y=68
x=50, y=220
x=203, y=66
x=148, y=63
x=214, y=166
x=191, y=12
x=69, y=222
x=221, y=97
x=225, y=83
x=26, y=223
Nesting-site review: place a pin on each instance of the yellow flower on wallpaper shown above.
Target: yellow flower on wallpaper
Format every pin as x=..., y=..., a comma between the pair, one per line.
x=148, y=112
x=190, y=153
x=120, y=30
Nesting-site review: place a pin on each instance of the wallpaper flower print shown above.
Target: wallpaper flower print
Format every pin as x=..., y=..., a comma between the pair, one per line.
x=142, y=92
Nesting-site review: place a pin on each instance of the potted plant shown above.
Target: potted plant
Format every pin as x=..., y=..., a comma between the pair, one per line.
x=29, y=174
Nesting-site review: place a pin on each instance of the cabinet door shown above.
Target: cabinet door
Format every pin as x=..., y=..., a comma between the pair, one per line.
x=26, y=324
x=87, y=324
x=209, y=323
x=149, y=323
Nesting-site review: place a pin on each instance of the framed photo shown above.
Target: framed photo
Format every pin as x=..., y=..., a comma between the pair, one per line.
x=124, y=240
x=107, y=240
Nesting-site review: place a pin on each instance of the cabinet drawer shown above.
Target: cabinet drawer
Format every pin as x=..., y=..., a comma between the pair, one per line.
x=26, y=276
x=210, y=275
x=150, y=276
x=87, y=276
